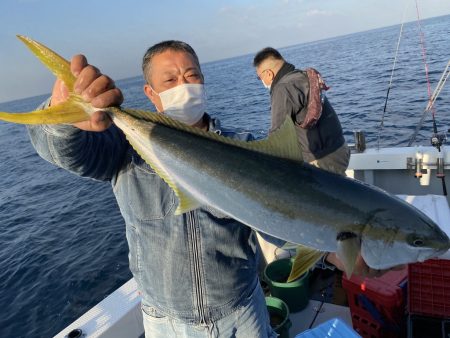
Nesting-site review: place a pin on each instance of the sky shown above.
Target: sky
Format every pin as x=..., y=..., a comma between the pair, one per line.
x=115, y=34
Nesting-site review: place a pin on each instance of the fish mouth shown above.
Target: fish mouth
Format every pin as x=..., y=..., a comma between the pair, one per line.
x=381, y=255
x=445, y=248
x=430, y=254
x=443, y=244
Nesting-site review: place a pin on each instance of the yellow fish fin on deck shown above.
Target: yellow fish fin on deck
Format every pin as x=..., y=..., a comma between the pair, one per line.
x=72, y=111
x=305, y=259
x=59, y=66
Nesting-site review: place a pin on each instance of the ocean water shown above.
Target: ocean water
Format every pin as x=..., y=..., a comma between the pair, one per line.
x=62, y=239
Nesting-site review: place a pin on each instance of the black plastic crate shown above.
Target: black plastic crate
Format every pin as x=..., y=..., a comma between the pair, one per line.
x=428, y=327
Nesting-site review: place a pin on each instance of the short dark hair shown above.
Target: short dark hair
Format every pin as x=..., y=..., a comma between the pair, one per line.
x=264, y=54
x=175, y=45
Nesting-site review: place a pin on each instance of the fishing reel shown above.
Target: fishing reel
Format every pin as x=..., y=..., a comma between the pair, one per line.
x=438, y=139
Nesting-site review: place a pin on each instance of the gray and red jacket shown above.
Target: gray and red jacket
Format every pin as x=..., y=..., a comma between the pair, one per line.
x=318, y=128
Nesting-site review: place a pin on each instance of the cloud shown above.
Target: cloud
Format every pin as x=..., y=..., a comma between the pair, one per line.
x=249, y=14
x=287, y=2
x=318, y=12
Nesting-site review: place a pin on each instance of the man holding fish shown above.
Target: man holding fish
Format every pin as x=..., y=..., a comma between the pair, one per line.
x=195, y=266
x=197, y=272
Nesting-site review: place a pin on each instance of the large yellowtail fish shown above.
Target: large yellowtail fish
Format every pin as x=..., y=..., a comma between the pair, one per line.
x=263, y=184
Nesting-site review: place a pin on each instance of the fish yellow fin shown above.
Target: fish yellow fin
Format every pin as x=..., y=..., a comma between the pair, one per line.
x=187, y=202
x=348, y=247
x=72, y=111
x=281, y=143
x=59, y=66
x=305, y=259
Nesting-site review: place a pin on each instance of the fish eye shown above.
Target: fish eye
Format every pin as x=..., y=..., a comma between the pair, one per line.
x=418, y=242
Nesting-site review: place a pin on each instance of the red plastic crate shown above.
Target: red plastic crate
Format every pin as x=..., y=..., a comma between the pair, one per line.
x=429, y=288
x=367, y=327
x=378, y=304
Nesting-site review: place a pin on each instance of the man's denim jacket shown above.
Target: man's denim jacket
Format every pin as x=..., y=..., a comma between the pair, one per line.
x=198, y=266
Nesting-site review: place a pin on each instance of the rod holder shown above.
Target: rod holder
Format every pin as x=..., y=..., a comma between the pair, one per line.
x=440, y=167
x=360, y=141
x=419, y=167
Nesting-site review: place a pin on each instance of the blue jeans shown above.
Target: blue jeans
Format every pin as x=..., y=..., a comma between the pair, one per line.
x=251, y=320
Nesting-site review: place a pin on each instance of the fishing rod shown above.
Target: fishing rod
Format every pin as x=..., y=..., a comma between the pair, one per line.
x=431, y=102
x=436, y=139
x=380, y=127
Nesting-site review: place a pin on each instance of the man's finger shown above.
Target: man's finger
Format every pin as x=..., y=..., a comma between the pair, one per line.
x=99, y=86
x=77, y=64
x=112, y=97
x=85, y=79
x=60, y=93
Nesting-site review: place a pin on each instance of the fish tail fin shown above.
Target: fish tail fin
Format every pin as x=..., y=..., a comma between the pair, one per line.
x=72, y=111
x=59, y=66
x=75, y=109
x=305, y=259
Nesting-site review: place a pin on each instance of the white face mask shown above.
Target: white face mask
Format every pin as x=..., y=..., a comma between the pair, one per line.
x=185, y=103
x=266, y=86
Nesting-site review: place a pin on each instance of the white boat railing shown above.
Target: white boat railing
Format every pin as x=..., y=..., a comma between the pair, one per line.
x=117, y=316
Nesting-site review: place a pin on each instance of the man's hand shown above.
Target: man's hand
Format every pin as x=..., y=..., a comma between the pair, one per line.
x=94, y=87
x=361, y=268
